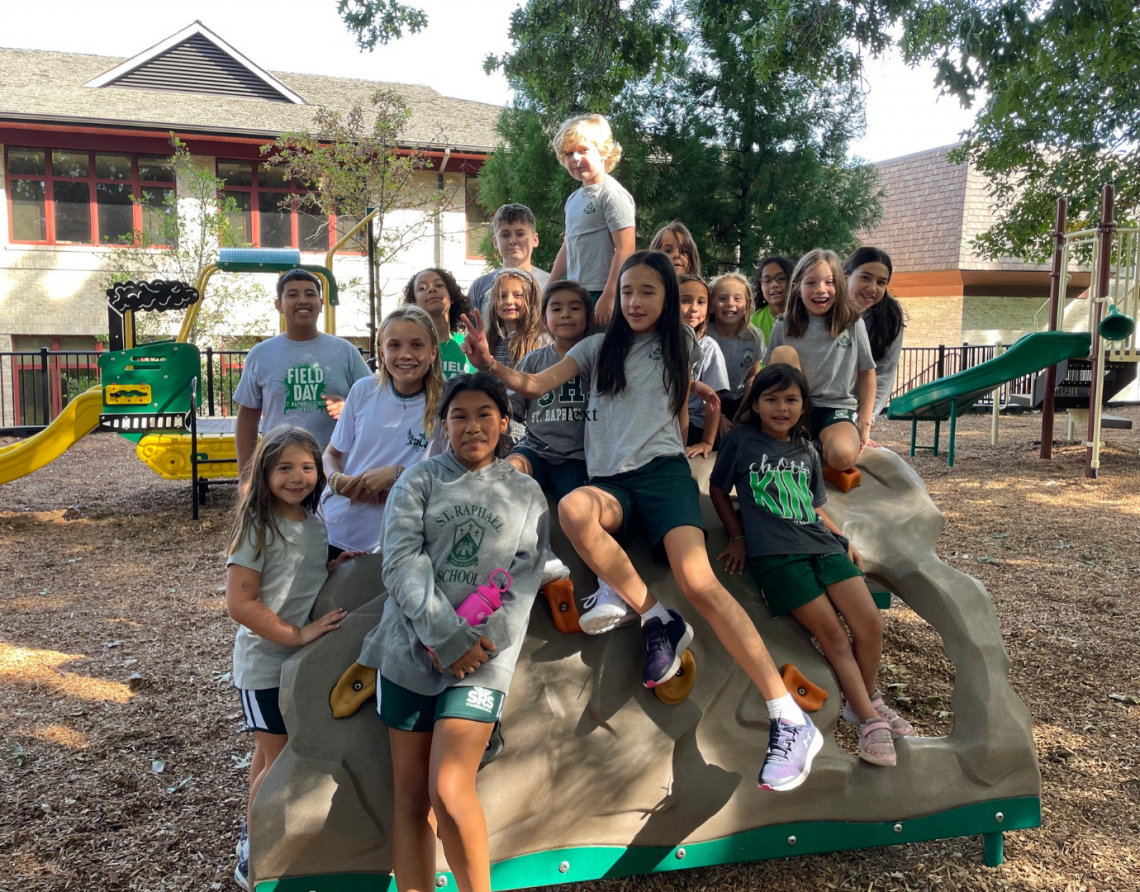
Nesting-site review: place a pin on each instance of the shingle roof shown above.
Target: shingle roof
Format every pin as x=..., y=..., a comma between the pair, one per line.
x=932, y=212
x=48, y=86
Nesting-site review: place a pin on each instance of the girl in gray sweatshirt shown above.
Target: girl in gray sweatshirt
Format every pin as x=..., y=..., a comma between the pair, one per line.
x=450, y=523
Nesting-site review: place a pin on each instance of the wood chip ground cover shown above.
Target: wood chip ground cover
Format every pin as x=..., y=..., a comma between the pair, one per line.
x=115, y=652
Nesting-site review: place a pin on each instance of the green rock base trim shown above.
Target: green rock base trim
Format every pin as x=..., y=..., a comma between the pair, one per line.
x=781, y=841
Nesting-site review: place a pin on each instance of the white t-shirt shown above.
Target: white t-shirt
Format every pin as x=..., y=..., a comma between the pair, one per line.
x=376, y=428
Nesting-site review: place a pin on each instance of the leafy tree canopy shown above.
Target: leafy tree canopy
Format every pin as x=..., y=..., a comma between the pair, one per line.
x=376, y=22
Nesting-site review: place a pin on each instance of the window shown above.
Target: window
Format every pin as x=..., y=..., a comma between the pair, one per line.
x=69, y=197
x=478, y=220
x=266, y=217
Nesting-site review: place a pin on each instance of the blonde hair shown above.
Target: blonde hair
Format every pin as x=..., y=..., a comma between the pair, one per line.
x=530, y=322
x=433, y=379
x=255, y=517
x=592, y=129
x=750, y=307
x=840, y=316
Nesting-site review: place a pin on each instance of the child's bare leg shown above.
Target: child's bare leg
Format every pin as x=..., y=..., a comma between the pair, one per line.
x=589, y=516
x=519, y=463
x=785, y=354
x=269, y=746
x=852, y=598
x=457, y=747
x=689, y=560
x=840, y=445
x=819, y=618
x=413, y=837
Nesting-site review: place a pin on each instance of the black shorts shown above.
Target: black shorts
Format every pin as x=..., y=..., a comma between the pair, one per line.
x=262, y=711
x=560, y=478
x=825, y=416
x=659, y=496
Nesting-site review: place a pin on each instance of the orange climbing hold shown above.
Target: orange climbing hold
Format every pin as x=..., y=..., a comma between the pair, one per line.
x=560, y=596
x=808, y=697
x=844, y=481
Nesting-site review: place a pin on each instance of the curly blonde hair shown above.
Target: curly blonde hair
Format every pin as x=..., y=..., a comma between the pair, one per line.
x=433, y=380
x=593, y=129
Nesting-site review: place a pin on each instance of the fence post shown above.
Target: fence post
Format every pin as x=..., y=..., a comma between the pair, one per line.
x=1105, y=231
x=45, y=387
x=1055, y=278
x=995, y=419
x=210, y=378
x=941, y=360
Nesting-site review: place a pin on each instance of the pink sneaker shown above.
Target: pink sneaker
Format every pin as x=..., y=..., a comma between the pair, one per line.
x=875, y=743
x=900, y=727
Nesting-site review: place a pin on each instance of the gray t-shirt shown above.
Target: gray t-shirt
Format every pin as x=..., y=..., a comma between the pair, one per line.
x=592, y=214
x=832, y=365
x=713, y=373
x=288, y=380
x=292, y=572
x=740, y=354
x=556, y=421
x=628, y=430
x=885, y=370
x=779, y=484
x=481, y=287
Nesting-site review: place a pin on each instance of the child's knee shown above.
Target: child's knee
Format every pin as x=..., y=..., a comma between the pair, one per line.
x=833, y=639
x=840, y=454
x=449, y=791
x=574, y=511
x=411, y=803
x=519, y=463
x=703, y=592
x=786, y=354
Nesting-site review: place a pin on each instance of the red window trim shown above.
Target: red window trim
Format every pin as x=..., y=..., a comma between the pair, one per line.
x=49, y=178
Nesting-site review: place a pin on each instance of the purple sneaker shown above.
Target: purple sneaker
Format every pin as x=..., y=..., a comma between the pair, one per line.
x=791, y=749
x=664, y=644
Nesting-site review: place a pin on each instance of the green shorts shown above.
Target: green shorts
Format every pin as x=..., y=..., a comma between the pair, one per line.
x=790, y=581
x=825, y=416
x=560, y=478
x=658, y=497
x=406, y=710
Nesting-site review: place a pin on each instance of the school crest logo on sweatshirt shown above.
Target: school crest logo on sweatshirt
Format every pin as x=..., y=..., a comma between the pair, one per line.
x=465, y=547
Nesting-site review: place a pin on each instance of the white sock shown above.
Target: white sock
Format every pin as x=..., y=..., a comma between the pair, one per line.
x=657, y=610
x=785, y=708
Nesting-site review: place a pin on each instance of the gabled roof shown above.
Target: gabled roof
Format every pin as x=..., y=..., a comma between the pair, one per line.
x=196, y=60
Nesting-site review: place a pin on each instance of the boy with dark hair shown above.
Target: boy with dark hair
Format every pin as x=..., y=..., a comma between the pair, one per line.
x=516, y=237
x=299, y=376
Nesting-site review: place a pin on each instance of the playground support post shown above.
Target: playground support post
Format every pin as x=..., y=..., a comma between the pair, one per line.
x=1056, y=275
x=1105, y=230
x=371, y=287
x=995, y=419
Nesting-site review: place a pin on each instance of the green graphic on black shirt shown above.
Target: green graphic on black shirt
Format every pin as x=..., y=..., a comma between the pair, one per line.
x=304, y=388
x=784, y=492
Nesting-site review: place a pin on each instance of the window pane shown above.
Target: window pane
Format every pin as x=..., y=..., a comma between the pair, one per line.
x=155, y=169
x=72, y=212
x=236, y=173
x=272, y=177
x=116, y=212
x=69, y=164
x=29, y=212
x=112, y=167
x=312, y=230
x=26, y=161
x=359, y=242
x=478, y=220
x=240, y=217
x=155, y=212
x=276, y=226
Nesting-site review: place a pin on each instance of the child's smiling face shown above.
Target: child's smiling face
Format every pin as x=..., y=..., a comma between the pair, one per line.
x=867, y=285
x=408, y=354
x=293, y=477
x=510, y=302
x=566, y=316
x=515, y=242
x=730, y=302
x=774, y=286
x=584, y=162
x=432, y=294
x=779, y=410
x=817, y=290
x=642, y=298
x=694, y=303
x=474, y=426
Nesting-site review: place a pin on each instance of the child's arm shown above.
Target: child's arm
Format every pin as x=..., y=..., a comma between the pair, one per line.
x=866, y=388
x=712, y=426
x=752, y=373
x=735, y=554
x=852, y=552
x=242, y=588
x=558, y=271
x=625, y=243
x=532, y=386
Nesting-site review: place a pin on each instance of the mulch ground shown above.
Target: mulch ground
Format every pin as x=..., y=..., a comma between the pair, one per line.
x=123, y=763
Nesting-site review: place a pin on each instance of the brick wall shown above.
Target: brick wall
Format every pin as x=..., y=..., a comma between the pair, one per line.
x=987, y=320
x=932, y=321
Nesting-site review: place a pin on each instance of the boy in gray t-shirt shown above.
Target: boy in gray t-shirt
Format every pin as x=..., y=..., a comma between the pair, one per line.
x=516, y=237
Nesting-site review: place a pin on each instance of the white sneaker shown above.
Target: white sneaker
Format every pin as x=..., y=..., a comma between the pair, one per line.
x=605, y=611
x=554, y=571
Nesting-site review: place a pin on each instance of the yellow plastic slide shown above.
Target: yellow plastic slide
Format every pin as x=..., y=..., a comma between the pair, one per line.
x=79, y=418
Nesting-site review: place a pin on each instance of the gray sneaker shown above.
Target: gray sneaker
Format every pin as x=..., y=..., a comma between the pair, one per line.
x=604, y=611
x=791, y=749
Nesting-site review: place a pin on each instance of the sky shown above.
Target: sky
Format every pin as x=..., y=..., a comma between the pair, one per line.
x=904, y=113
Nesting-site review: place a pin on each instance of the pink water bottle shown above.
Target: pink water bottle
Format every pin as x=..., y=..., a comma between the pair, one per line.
x=485, y=600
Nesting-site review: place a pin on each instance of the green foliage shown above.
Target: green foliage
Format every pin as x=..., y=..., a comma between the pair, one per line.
x=376, y=22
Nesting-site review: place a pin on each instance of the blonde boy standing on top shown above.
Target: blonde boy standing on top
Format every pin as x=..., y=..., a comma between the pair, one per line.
x=599, y=216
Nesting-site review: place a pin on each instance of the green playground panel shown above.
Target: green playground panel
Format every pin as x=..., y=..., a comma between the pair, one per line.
x=272, y=260
x=165, y=367
x=574, y=865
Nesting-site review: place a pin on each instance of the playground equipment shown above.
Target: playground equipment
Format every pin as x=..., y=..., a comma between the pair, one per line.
x=599, y=778
x=1094, y=364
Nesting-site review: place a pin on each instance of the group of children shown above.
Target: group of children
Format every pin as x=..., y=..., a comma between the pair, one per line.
x=482, y=409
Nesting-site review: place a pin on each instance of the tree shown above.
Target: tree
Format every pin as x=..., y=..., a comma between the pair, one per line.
x=735, y=117
x=376, y=22
x=180, y=238
x=1060, y=111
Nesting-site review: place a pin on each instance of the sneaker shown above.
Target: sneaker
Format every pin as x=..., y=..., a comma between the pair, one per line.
x=241, y=873
x=605, y=611
x=791, y=749
x=242, y=843
x=875, y=743
x=554, y=571
x=900, y=727
x=664, y=644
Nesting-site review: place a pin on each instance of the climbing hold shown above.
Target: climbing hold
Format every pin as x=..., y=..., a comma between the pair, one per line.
x=677, y=688
x=560, y=596
x=808, y=697
x=355, y=687
x=844, y=481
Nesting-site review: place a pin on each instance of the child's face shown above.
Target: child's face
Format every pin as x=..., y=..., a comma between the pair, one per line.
x=774, y=286
x=474, y=427
x=584, y=162
x=300, y=303
x=867, y=285
x=642, y=298
x=515, y=242
x=779, y=410
x=817, y=290
x=671, y=245
x=431, y=293
x=694, y=303
x=294, y=476
x=730, y=302
x=407, y=354
x=510, y=302
x=566, y=316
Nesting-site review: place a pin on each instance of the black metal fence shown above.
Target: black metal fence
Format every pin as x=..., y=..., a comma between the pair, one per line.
x=921, y=365
x=35, y=386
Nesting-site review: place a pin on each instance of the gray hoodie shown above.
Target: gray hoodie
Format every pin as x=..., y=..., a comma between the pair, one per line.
x=446, y=530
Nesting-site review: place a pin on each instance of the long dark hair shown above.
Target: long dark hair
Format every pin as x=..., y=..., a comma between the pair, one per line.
x=887, y=318
x=778, y=376
x=459, y=302
x=757, y=292
x=481, y=382
x=674, y=343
